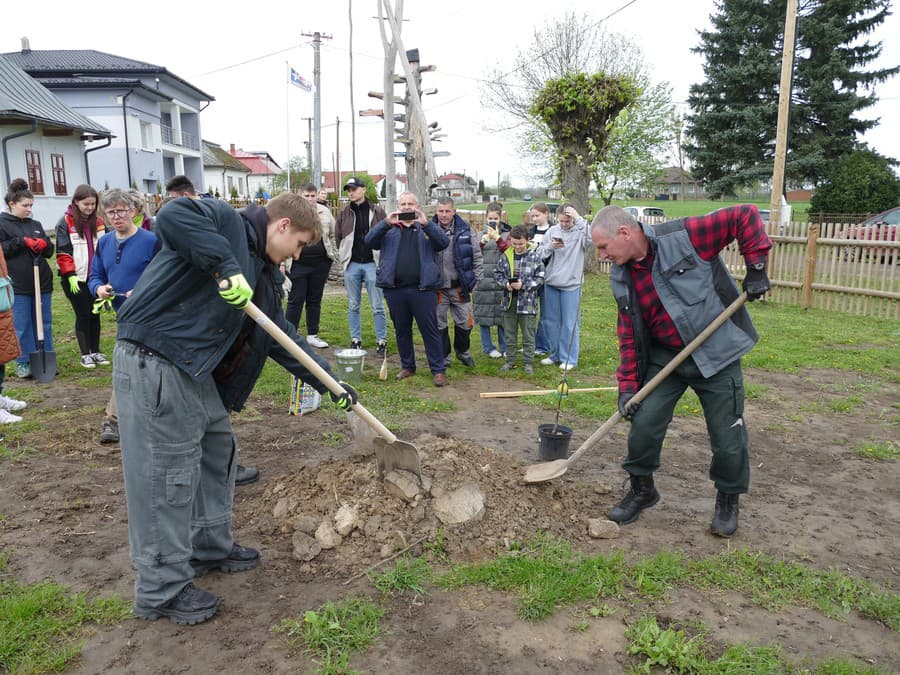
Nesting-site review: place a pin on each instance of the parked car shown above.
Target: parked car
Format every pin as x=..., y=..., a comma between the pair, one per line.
x=880, y=227
x=526, y=197
x=642, y=212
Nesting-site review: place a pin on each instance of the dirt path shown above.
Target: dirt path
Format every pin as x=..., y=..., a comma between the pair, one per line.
x=811, y=500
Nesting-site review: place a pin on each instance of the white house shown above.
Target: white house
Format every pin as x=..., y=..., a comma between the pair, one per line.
x=43, y=141
x=222, y=172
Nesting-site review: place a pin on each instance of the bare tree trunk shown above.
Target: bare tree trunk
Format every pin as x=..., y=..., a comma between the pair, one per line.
x=574, y=180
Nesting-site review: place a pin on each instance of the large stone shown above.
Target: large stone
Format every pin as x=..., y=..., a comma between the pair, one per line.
x=326, y=535
x=462, y=505
x=346, y=520
x=305, y=547
x=600, y=528
x=306, y=523
x=370, y=529
x=402, y=484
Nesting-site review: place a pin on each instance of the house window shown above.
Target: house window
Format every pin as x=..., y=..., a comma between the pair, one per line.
x=35, y=177
x=58, y=166
x=147, y=136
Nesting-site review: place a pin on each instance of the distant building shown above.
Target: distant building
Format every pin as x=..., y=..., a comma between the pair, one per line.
x=461, y=189
x=153, y=114
x=263, y=169
x=222, y=172
x=670, y=181
x=43, y=142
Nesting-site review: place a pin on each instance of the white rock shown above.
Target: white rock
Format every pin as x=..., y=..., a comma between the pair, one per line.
x=306, y=523
x=305, y=547
x=402, y=484
x=600, y=528
x=462, y=505
x=346, y=520
x=326, y=536
x=281, y=508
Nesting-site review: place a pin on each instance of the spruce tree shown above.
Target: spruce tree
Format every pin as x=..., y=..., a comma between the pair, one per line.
x=734, y=111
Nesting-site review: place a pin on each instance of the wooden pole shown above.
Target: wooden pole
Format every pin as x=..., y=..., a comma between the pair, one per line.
x=809, y=272
x=784, y=109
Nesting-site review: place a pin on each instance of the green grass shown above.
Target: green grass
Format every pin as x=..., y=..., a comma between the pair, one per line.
x=548, y=574
x=879, y=452
x=408, y=574
x=43, y=626
x=334, y=632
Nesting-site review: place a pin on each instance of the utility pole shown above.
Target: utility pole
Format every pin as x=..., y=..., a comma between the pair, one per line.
x=784, y=111
x=317, y=106
x=337, y=149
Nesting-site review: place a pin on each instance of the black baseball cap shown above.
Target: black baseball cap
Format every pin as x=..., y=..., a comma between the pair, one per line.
x=353, y=182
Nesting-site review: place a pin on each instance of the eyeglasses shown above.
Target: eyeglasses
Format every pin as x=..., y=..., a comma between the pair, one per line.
x=118, y=213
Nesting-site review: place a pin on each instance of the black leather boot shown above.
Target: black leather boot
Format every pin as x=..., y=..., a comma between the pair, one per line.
x=725, y=519
x=642, y=495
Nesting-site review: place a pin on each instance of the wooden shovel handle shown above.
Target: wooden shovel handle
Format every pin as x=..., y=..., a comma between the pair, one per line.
x=538, y=392
x=38, y=314
x=309, y=362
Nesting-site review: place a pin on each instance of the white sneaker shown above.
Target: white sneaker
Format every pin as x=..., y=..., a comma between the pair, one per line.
x=495, y=354
x=87, y=361
x=7, y=417
x=547, y=361
x=100, y=359
x=316, y=341
x=7, y=403
x=566, y=366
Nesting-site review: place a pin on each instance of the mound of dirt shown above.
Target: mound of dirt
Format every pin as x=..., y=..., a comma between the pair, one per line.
x=339, y=517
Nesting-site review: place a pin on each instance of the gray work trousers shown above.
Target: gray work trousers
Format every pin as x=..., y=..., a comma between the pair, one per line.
x=513, y=324
x=722, y=399
x=179, y=462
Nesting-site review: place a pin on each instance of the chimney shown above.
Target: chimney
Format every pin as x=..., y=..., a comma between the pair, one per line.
x=26, y=46
x=232, y=149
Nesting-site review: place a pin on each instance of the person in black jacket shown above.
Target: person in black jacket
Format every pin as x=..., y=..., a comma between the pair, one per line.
x=186, y=356
x=26, y=246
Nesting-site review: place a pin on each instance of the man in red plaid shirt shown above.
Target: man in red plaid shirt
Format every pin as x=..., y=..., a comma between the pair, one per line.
x=669, y=284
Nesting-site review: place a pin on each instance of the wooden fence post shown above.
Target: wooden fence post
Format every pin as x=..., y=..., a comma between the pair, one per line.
x=809, y=272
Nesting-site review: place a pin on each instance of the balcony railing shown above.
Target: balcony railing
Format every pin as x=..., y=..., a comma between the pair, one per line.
x=172, y=136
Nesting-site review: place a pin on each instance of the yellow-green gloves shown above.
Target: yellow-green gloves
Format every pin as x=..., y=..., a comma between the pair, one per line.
x=74, y=287
x=236, y=291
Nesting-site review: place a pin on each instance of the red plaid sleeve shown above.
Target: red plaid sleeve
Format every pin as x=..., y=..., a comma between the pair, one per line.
x=711, y=233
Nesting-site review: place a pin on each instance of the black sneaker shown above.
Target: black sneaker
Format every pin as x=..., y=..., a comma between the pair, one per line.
x=109, y=432
x=381, y=349
x=355, y=344
x=241, y=559
x=466, y=359
x=725, y=518
x=246, y=475
x=191, y=605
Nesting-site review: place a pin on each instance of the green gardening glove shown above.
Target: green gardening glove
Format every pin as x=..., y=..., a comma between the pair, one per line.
x=235, y=290
x=102, y=305
x=74, y=286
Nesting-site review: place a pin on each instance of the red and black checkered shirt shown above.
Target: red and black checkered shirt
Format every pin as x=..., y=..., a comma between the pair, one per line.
x=709, y=234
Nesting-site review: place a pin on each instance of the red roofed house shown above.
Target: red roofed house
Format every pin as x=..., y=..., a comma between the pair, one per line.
x=461, y=188
x=263, y=169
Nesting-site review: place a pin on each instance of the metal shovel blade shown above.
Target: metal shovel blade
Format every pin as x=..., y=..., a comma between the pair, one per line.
x=538, y=473
x=43, y=365
x=397, y=455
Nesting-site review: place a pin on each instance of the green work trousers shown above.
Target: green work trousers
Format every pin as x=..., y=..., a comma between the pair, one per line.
x=722, y=399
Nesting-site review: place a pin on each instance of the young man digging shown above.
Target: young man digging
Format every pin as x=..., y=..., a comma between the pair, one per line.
x=186, y=356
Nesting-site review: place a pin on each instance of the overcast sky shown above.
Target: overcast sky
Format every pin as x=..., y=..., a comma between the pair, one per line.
x=239, y=54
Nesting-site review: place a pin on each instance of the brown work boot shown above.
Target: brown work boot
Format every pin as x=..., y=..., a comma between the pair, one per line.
x=440, y=380
x=403, y=374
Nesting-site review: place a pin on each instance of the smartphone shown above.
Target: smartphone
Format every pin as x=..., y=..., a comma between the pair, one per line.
x=513, y=280
x=557, y=240
x=407, y=215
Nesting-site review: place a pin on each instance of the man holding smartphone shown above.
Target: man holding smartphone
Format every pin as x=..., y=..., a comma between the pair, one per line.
x=409, y=276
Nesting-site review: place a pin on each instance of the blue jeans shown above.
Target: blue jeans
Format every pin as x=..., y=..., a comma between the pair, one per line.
x=487, y=343
x=354, y=276
x=541, y=343
x=560, y=308
x=26, y=326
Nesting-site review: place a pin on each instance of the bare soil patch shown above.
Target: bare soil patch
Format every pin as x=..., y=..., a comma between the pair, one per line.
x=811, y=500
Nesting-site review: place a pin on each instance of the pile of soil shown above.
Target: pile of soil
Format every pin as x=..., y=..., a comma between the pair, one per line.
x=513, y=510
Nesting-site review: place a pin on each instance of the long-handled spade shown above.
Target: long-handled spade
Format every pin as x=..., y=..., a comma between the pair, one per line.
x=43, y=362
x=390, y=452
x=539, y=473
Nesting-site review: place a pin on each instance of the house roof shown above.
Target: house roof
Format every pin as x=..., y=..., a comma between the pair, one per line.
x=24, y=98
x=56, y=63
x=259, y=163
x=79, y=81
x=216, y=155
x=672, y=175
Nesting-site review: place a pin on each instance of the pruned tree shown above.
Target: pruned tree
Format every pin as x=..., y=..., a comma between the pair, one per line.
x=577, y=44
x=578, y=111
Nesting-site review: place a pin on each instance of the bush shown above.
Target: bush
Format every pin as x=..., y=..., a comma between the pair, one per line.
x=861, y=182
